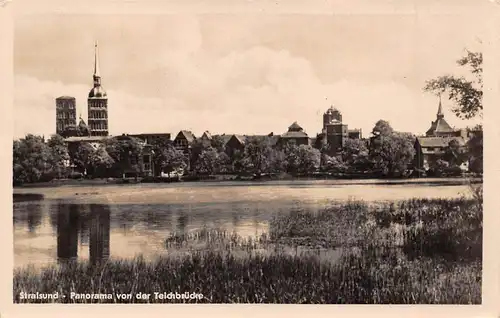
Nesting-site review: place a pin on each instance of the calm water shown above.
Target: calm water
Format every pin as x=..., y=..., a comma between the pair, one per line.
x=85, y=222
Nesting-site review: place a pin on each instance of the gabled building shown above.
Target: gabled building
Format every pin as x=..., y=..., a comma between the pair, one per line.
x=430, y=149
x=294, y=134
x=433, y=145
x=224, y=137
x=184, y=139
x=206, y=135
x=183, y=142
x=441, y=128
x=206, y=138
x=235, y=143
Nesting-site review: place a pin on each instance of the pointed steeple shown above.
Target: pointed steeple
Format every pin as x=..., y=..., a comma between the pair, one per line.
x=96, y=62
x=440, y=109
x=97, y=73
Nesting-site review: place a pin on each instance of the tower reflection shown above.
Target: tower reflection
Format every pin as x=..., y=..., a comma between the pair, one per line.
x=89, y=223
x=67, y=232
x=99, y=233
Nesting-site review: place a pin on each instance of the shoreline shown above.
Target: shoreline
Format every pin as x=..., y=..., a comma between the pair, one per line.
x=250, y=182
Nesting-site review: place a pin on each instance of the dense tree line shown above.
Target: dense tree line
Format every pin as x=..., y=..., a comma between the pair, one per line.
x=386, y=154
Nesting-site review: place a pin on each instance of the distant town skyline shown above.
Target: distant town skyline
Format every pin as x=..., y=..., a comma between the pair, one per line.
x=240, y=73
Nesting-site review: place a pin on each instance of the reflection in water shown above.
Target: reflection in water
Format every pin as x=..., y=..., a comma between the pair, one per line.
x=84, y=225
x=100, y=224
x=34, y=218
x=75, y=222
x=67, y=232
x=31, y=216
x=139, y=221
x=21, y=197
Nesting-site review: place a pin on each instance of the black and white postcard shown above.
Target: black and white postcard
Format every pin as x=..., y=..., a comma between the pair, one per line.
x=251, y=152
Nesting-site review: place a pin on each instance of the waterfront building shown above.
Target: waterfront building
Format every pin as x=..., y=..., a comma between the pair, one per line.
x=97, y=103
x=334, y=132
x=66, y=116
x=295, y=134
x=437, y=139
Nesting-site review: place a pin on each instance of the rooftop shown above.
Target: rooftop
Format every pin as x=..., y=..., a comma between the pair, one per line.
x=188, y=135
x=86, y=138
x=439, y=142
x=294, y=127
x=294, y=134
x=439, y=126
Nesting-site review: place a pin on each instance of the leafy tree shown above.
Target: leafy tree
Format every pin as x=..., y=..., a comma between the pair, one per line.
x=453, y=154
x=82, y=158
x=475, y=150
x=302, y=159
x=355, y=154
x=277, y=161
x=157, y=146
x=32, y=160
x=467, y=94
x=217, y=142
x=169, y=159
x=392, y=155
x=382, y=128
x=224, y=162
x=237, y=160
x=92, y=161
x=333, y=164
x=309, y=159
x=439, y=167
x=292, y=156
x=126, y=153
x=210, y=161
x=197, y=147
x=256, y=158
x=59, y=154
x=100, y=160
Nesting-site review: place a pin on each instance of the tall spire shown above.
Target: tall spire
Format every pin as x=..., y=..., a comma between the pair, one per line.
x=96, y=62
x=97, y=74
x=440, y=109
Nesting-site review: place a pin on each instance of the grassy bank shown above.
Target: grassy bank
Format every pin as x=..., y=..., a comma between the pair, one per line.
x=411, y=252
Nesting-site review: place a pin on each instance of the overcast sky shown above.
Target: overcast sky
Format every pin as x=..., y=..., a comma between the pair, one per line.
x=241, y=73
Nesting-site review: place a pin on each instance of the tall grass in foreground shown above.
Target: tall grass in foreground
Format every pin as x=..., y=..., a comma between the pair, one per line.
x=272, y=279
x=411, y=252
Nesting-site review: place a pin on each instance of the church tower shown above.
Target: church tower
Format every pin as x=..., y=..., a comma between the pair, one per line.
x=97, y=104
x=440, y=128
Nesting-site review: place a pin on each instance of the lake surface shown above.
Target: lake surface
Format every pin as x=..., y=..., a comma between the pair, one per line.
x=122, y=221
